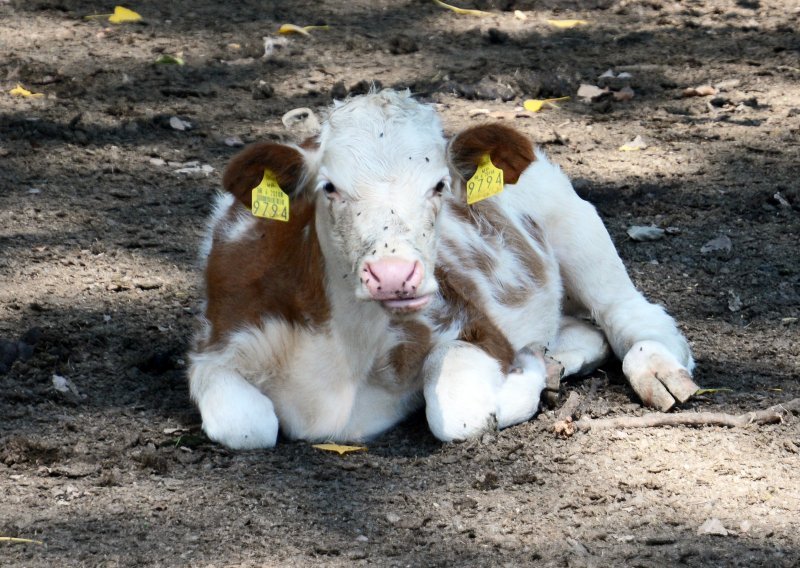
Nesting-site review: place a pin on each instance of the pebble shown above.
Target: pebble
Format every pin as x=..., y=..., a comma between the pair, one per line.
x=393, y=518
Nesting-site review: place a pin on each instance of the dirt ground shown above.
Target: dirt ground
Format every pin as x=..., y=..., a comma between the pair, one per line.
x=102, y=204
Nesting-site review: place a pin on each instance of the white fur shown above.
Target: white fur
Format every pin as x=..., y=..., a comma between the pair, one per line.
x=580, y=347
x=235, y=413
x=461, y=387
x=593, y=273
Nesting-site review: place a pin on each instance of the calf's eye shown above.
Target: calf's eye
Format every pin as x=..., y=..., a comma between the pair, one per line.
x=329, y=188
x=439, y=188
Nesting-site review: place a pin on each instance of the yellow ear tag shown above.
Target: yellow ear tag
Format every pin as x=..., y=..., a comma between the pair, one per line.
x=268, y=199
x=487, y=181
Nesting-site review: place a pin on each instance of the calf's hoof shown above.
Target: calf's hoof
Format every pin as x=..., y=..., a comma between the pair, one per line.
x=657, y=376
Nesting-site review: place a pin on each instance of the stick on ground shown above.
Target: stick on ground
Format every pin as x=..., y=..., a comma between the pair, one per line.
x=772, y=415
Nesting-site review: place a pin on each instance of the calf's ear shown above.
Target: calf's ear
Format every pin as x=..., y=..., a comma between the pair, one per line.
x=246, y=170
x=508, y=149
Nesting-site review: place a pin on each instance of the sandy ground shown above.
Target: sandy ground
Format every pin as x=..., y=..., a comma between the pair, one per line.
x=102, y=204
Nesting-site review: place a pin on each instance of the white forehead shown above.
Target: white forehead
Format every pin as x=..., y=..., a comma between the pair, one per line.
x=385, y=137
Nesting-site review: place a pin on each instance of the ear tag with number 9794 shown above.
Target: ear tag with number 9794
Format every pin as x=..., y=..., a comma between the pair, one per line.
x=487, y=181
x=268, y=199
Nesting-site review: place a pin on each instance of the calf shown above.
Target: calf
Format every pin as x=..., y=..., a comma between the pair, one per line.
x=374, y=288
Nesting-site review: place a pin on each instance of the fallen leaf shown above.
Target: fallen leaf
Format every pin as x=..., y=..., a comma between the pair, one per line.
x=702, y=91
x=462, y=11
x=195, y=168
x=169, y=60
x=19, y=540
x=712, y=391
x=566, y=24
x=590, y=93
x=609, y=74
x=64, y=385
x=713, y=527
x=722, y=243
x=520, y=15
x=234, y=142
x=20, y=91
x=535, y=105
x=179, y=124
x=734, y=301
x=341, y=450
x=287, y=29
x=634, y=145
x=651, y=233
x=624, y=94
x=781, y=200
x=122, y=15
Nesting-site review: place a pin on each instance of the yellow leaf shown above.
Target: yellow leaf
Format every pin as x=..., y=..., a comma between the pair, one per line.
x=170, y=60
x=286, y=29
x=122, y=15
x=566, y=24
x=712, y=391
x=535, y=105
x=20, y=91
x=462, y=11
x=19, y=540
x=341, y=450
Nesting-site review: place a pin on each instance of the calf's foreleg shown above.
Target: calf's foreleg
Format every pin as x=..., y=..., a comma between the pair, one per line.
x=467, y=393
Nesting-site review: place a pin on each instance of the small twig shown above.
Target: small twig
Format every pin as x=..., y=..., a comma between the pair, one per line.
x=570, y=407
x=772, y=415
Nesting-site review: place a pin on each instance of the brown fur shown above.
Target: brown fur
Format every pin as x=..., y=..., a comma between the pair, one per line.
x=509, y=150
x=460, y=294
x=246, y=169
x=533, y=229
x=407, y=357
x=515, y=240
x=277, y=271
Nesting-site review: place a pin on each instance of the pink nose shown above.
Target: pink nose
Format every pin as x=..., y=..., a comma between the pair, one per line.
x=392, y=278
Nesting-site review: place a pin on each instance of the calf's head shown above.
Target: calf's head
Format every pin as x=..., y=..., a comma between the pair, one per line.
x=378, y=175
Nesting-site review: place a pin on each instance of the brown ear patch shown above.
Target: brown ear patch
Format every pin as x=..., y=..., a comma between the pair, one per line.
x=509, y=150
x=246, y=169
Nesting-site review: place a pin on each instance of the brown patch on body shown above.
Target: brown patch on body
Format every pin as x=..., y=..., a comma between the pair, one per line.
x=512, y=296
x=408, y=356
x=531, y=258
x=462, y=297
x=509, y=150
x=534, y=230
x=275, y=271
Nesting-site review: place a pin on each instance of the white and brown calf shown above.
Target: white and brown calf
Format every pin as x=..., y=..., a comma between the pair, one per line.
x=385, y=291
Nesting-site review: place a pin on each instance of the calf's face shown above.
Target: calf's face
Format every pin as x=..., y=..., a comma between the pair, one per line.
x=382, y=171
x=377, y=176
